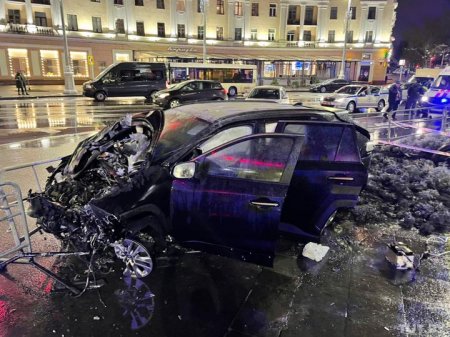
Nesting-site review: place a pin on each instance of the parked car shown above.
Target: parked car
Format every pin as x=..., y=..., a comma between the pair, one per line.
x=329, y=85
x=127, y=79
x=190, y=91
x=268, y=93
x=354, y=97
x=225, y=178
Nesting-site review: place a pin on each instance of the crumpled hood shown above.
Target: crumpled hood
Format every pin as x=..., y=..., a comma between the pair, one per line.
x=133, y=137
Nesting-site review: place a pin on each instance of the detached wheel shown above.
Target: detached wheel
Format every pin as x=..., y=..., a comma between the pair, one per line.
x=137, y=258
x=323, y=90
x=174, y=103
x=381, y=105
x=100, y=96
x=232, y=91
x=351, y=107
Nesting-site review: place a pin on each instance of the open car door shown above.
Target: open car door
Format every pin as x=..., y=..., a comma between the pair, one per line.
x=232, y=204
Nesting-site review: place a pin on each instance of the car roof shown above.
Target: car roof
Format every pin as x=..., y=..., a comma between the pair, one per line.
x=271, y=87
x=224, y=112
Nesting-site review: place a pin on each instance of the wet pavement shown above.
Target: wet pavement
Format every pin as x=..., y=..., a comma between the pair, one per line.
x=352, y=292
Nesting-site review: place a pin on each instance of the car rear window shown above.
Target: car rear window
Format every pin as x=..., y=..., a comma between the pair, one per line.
x=212, y=85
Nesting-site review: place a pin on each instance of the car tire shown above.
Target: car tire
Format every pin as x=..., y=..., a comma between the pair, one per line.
x=351, y=107
x=232, y=91
x=218, y=99
x=380, y=106
x=100, y=96
x=323, y=90
x=174, y=103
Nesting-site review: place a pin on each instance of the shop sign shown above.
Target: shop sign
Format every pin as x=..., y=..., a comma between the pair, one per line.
x=90, y=60
x=182, y=50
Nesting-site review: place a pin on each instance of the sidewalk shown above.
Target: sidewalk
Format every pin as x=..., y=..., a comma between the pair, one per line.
x=9, y=92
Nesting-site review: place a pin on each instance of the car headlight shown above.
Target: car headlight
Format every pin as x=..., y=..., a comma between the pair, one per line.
x=88, y=86
x=424, y=99
x=164, y=95
x=340, y=100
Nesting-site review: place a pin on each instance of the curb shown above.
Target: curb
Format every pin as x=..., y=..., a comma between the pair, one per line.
x=36, y=97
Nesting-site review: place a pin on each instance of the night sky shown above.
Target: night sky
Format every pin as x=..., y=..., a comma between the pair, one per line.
x=415, y=12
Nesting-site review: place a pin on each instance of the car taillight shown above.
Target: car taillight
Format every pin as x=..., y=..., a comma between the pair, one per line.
x=225, y=91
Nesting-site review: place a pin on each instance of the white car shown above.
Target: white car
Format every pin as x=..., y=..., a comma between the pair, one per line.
x=354, y=97
x=269, y=93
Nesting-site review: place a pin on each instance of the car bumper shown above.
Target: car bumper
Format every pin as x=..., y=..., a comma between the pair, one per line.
x=160, y=101
x=88, y=92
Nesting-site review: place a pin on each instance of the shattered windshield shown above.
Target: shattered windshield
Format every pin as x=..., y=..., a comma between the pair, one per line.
x=180, y=129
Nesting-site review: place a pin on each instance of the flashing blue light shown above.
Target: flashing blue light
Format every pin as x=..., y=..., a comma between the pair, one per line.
x=444, y=100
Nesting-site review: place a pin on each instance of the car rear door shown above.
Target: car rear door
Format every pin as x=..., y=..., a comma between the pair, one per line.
x=233, y=204
x=191, y=92
x=328, y=175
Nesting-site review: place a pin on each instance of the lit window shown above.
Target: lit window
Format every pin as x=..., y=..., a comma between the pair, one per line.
x=50, y=63
x=219, y=33
x=79, y=63
x=220, y=8
x=238, y=8
x=18, y=61
x=181, y=6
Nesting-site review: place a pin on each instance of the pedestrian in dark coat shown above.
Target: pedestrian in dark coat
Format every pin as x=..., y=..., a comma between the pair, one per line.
x=414, y=93
x=19, y=84
x=395, y=97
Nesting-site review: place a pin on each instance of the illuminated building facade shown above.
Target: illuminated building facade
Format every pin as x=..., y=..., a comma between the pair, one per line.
x=285, y=38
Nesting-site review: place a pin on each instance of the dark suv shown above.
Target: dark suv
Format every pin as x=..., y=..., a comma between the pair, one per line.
x=226, y=178
x=190, y=91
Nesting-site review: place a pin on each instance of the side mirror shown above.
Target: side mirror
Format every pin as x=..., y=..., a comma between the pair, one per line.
x=362, y=94
x=184, y=170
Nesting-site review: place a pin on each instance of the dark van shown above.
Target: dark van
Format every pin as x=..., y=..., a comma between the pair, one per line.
x=127, y=79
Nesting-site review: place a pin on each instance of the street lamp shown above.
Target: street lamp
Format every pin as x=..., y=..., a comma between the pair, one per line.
x=69, y=83
x=347, y=19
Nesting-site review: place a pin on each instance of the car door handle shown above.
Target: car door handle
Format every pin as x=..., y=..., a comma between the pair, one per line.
x=264, y=203
x=341, y=178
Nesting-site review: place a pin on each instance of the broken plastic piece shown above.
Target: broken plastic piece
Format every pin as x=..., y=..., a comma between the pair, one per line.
x=400, y=256
x=315, y=252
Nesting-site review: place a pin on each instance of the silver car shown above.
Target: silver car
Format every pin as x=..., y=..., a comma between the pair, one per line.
x=354, y=97
x=268, y=93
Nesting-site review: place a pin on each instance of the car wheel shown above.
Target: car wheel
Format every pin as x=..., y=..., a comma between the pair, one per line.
x=174, y=103
x=100, y=96
x=137, y=258
x=218, y=99
x=351, y=107
x=323, y=90
x=381, y=105
x=232, y=91
x=328, y=223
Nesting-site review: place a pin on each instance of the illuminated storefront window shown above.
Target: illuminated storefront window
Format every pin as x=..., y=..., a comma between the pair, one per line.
x=50, y=63
x=79, y=63
x=122, y=57
x=18, y=61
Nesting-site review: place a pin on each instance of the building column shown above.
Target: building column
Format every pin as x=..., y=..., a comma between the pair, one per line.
x=189, y=12
x=173, y=19
x=55, y=12
x=231, y=18
x=363, y=20
x=29, y=11
x=322, y=24
x=111, y=11
x=283, y=21
x=3, y=10
x=302, y=22
x=129, y=17
x=379, y=25
x=247, y=16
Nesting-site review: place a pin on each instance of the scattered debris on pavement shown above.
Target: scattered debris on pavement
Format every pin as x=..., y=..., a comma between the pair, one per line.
x=314, y=251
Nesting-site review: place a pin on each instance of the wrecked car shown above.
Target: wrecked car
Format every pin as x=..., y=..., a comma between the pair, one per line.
x=226, y=178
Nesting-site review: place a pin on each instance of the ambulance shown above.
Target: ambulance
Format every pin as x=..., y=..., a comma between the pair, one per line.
x=439, y=94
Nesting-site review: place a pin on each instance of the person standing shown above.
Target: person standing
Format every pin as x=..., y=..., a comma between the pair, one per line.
x=413, y=96
x=395, y=96
x=19, y=85
x=24, y=82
